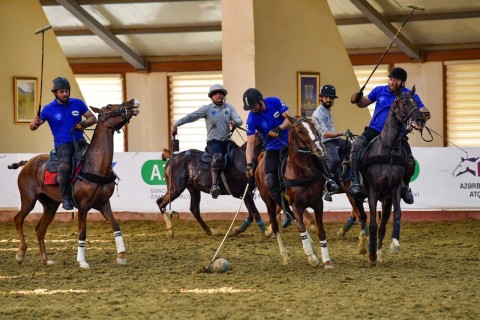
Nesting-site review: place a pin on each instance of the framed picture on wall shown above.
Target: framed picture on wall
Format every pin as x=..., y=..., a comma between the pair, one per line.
x=308, y=86
x=25, y=98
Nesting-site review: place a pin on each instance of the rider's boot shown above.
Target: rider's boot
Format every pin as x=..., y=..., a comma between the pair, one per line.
x=63, y=178
x=331, y=185
x=216, y=169
x=356, y=188
x=405, y=191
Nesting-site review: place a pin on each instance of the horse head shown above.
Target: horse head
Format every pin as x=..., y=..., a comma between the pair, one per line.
x=117, y=115
x=406, y=112
x=303, y=131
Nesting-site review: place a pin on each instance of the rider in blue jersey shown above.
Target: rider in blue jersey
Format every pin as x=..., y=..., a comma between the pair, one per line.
x=63, y=114
x=267, y=116
x=384, y=96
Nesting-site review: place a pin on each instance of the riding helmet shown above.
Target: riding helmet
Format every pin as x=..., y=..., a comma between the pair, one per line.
x=328, y=91
x=60, y=83
x=216, y=88
x=250, y=98
x=398, y=73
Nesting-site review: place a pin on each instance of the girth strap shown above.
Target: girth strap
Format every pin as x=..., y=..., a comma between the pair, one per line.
x=97, y=179
x=300, y=182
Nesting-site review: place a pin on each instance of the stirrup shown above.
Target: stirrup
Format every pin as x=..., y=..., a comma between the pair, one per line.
x=67, y=203
x=215, y=191
x=333, y=187
x=288, y=220
x=327, y=197
x=356, y=190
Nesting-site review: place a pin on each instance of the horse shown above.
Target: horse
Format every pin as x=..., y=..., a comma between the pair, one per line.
x=383, y=167
x=304, y=185
x=91, y=188
x=186, y=170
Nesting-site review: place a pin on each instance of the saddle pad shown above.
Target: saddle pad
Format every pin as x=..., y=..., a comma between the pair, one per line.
x=50, y=178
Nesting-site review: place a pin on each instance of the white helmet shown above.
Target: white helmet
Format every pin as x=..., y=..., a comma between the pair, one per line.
x=216, y=88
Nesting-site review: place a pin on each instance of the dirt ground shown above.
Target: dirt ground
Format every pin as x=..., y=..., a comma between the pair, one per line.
x=435, y=276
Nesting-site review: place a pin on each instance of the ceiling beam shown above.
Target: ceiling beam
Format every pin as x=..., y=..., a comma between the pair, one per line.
x=66, y=32
x=106, y=35
x=416, y=17
x=93, y=2
x=386, y=27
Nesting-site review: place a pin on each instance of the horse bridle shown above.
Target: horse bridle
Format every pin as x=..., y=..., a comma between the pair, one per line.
x=309, y=146
x=123, y=111
x=401, y=120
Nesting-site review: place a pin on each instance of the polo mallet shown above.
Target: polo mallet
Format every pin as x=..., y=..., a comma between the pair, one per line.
x=411, y=6
x=42, y=31
x=207, y=268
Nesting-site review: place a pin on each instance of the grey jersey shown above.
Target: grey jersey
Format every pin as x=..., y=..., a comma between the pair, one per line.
x=217, y=120
x=323, y=121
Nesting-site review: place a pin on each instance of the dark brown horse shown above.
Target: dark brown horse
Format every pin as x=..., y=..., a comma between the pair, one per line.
x=190, y=173
x=383, y=168
x=91, y=190
x=304, y=187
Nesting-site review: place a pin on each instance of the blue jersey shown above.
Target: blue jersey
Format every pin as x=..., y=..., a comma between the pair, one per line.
x=265, y=120
x=62, y=118
x=384, y=99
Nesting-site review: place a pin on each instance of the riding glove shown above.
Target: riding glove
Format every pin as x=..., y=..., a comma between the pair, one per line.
x=275, y=132
x=250, y=170
x=356, y=97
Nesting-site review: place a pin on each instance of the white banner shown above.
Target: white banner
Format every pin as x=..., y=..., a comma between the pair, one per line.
x=446, y=178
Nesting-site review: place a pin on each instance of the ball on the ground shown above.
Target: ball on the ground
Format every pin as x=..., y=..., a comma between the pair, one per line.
x=220, y=265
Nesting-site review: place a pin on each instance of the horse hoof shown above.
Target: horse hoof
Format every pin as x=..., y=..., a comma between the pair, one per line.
x=122, y=261
x=84, y=264
x=49, y=263
x=313, y=260
x=169, y=234
x=268, y=232
x=341, y=233
x=328, y=265
x=395, y=246
x=235, y=232
x=379, y=256
x=19, y=258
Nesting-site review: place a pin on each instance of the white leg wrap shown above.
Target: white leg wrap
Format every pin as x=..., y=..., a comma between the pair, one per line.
x=307, y=245
x=81, y=251
x=324, y=250
x=119, y=241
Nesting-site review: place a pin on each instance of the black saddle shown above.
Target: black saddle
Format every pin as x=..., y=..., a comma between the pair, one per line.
x=365, y=158
x=205, y=158
x=53, y=161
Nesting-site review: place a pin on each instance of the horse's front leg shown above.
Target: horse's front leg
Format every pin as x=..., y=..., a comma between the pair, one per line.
x=82, y=235
x=322, y=236
x=108, y=215
x=274, y=225
x=397, y=217
x=373, y=227
x=307, y=241
x=386, y=211
x=28, y=202
x=49, y=209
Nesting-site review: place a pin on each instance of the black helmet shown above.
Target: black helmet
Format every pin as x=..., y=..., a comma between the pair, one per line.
x=250, y=98
x=60, y=83
x=217, y=88
x=398, y=73
x=328, y=91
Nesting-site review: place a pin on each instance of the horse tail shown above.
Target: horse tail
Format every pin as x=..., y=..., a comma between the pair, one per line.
x=17, y=165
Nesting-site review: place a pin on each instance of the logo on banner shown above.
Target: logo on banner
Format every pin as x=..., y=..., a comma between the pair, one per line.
x=153, y=172
x=467, y=167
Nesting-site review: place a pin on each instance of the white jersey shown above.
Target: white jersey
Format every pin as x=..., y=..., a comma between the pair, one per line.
x=323, y=120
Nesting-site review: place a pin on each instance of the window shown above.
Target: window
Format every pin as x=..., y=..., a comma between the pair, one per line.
x=100, y=90
x=188, y=92
x=463, y=99
x=379, y=78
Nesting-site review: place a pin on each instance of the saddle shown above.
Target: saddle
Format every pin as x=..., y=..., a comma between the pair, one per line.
x=365, y=159
x=205, y=158
x=53, y=162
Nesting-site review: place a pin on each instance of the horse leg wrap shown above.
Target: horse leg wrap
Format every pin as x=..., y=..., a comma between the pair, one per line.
x=261, y=225
x=119, y=241
x=324, y=250
x=245, y=225
x=349, y=223
x=81, y=251
x=307, y=245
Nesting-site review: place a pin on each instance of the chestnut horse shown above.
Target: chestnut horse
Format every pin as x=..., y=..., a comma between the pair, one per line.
x=91, y=189
x=187, y=171
x=383, y=168
x=304, y=186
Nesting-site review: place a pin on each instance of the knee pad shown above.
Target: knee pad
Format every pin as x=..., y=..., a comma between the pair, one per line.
x=217, y=161
x=410, y=162
x=360, y=141
x=271, y=183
